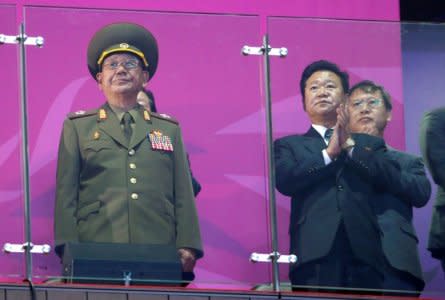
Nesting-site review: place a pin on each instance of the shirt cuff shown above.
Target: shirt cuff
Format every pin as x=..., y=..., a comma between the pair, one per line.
x=350, y=152
x=327, y=159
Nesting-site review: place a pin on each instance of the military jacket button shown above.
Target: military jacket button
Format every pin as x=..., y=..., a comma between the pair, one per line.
x=134, y=196
x=131, y=152
x=132, y=166
x=133, y=180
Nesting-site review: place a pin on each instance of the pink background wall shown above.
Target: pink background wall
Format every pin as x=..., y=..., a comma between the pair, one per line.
x=204, y=82
x=11, y=207
x=200, y=78
x=387, y=10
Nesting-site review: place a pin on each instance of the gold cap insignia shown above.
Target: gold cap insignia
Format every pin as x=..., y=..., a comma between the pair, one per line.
x=122, y=47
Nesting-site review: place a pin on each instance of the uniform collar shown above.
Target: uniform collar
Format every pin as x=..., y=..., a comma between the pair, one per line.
x=119, y=112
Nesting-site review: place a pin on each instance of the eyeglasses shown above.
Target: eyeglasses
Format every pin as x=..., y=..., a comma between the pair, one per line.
x=371, y=102
x=128, y=65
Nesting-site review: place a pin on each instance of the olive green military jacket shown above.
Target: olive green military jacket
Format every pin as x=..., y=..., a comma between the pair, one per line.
x=109, y=190
x=432, y=143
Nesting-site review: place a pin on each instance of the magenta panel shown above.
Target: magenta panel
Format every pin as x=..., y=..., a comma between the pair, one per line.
x=11, y=203
x=339, y=9
x=366, y=50
x=204, y=82
x=215, y=93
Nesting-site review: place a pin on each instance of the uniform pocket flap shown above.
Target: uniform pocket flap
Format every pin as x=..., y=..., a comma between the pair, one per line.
x=98, y=145
x=88, y=209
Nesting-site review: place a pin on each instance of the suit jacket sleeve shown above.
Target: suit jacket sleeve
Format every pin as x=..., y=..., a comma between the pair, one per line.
x=432, y=143
x=67, y=187
x=298, y=167
x=388, y=172
x=371, y=161
x=413, y=185
x=187, y=226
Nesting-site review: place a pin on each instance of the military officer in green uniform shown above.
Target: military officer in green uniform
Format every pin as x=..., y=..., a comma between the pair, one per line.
x=122, y=173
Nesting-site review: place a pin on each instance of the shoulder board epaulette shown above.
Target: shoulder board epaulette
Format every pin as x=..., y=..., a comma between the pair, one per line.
x=82, y=113
x=165, y=117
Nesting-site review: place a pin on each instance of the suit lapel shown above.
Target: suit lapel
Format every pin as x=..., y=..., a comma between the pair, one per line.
x=111, y=126
x=316, y=142
x=141, y=129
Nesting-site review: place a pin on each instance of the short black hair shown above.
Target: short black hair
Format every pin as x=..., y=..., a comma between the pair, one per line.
x=371, y=87
x=323, y=65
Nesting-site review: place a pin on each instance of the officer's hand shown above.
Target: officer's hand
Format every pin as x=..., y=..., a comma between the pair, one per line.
x=188, y=259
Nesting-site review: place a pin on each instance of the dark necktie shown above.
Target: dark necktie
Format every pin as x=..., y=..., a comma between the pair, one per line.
x=127, y=119
x=328, y=134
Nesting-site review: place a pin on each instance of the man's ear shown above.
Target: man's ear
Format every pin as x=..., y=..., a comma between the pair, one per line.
x=146, y=77
x=99, y=80
x=99, y=77
x=388, y=116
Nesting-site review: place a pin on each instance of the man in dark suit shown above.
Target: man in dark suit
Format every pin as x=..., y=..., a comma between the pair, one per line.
x=370, y=110
x=333, y=228
x=432, y=143
x=122, y=174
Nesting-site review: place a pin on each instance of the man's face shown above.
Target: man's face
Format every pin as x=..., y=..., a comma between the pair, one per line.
x=143, y=100
x=367, y=112
x=121, y=74
x=323, y=93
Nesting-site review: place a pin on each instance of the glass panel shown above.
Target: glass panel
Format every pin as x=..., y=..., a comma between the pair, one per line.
x=411, y=73
x=11, y=202
x=423, y=51
x=205, y=83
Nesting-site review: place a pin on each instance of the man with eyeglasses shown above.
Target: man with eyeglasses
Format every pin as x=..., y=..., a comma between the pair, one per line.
x=331, y=179
x=122, y=174
x=370, y=109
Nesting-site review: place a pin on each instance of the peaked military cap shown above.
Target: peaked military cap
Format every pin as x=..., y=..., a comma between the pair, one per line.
x=122, y=37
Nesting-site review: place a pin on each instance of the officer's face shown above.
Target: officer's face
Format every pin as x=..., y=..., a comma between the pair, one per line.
x=323, y=93
x=367, y=112
x=121, y=74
